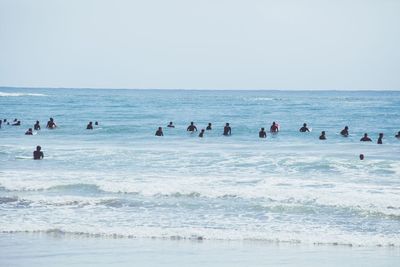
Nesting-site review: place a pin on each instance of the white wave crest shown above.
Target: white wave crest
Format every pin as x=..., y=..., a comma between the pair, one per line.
x=5, y=94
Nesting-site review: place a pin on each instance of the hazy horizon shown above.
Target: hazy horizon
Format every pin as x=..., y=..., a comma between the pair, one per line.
x=208, y=45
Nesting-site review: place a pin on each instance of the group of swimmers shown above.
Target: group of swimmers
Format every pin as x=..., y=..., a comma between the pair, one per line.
x=227, y=131
x=274, y=129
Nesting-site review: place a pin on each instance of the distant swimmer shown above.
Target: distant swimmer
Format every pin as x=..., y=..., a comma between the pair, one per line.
x=397, y=135
x=274, y=128
x=361, y=156
x=345, y=131
x=322, y=136
x=96, y=123
x=29, y=132
x=304, y=128
x=227, y=130
x=201, y=134
x=36, y=126
x=159, y=132
x=209, y=127
x=38, y=154
x=365, y=138
x=191, y=127
x=380, y=139
x=171, y=125
x=262, y=133
x=17, y=123
x=89, y=126
x=51, y=124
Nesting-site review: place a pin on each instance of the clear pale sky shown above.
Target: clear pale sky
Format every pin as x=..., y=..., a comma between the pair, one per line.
x=210, y=44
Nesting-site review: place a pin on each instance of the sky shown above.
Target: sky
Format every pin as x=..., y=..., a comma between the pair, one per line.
x=207, y=44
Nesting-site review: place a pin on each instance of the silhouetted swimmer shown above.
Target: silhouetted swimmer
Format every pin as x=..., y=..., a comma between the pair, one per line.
x=322, y=136
x=380, y=139
x=36, y=126
x=361, y=156
x=304, y=128
x=17, y=123
x=191, y=127
x=397, y=135
x=201, y=134
x=345, y=131
x=96, y=123
x=38, y=154
x=262, y=133
x=209, y=127
x=365, y=138
x=29, y=132
x=159, y=132
x=15, y=120
x=227, y=130
x=171, y=125
x=89, y=126
x=274, y=128
x=51, y=124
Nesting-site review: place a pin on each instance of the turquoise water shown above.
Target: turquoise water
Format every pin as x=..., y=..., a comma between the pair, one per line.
x=120, y=180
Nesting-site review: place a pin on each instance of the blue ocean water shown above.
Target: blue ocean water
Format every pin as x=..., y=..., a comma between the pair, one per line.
x=120, y=180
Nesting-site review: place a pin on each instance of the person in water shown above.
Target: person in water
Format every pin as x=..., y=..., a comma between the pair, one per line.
x=304, y=128
x=159, y=132
x=38, y=154
x=191, y=127
x=89, y=126
x=227, y=130
x=262, y=133
x=171, y=125
x=274, y=128
x=201, y=134
x=397, y=135
x=36, y=126
x=209, y=127
x=29, y=132
x=361, y=156
x=365, y=138
x=96, y=123
x=345, y=131
x=51, y=124
x=380, y=139
x=17, y=123
x=322, y=136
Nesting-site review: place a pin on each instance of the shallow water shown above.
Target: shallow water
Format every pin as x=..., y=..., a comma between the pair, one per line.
x=121, y=180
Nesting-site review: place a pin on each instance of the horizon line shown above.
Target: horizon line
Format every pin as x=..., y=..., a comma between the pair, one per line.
x=197, y=89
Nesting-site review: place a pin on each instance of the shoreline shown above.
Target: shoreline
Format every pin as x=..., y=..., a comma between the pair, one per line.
x=25, y=249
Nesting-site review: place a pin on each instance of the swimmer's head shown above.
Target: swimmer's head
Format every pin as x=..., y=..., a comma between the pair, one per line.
x=381, y=135
x=361, y=156
x=227, y=124
x=365, y=135
x=262, y=129
x=304, y=124
x=38, y=148
x=346, y=127
x=191, y=123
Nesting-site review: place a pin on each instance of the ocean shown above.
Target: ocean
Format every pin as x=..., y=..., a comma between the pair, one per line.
x=120, y=181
